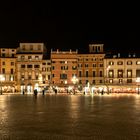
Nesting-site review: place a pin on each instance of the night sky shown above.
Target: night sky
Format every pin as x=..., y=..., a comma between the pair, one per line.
x=72, y=25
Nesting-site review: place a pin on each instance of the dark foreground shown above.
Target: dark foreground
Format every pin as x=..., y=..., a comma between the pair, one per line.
x=70, y=117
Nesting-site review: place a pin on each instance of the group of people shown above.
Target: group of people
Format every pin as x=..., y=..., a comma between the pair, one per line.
x=35, y=92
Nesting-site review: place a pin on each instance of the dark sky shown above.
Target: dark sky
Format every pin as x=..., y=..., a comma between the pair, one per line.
x=70, y=24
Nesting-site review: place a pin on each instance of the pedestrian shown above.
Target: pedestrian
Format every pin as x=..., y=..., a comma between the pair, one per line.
x=67, y=91
x=35, y=92
x=74, y=91
x=102, y=92
x=23, y=92
x=55, y=90
x=43, y=91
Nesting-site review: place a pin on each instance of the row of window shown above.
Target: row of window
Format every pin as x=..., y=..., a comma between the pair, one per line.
x=31, y=47
x=111, y=81
x=7, y=55
x=80, y=82
x=36, y=77
x=64, y=62
x=120, y=73
x=65, y=68
x=92, y=59
x=11, y=71
x=30, y=57
x=121, y=63
x=94, y=74
x=5, y=50
x=74, y=67
x=93, y=65
x=110, y=74
x=35, y=66
x=64, y=76
x=47, y=63
x=10, y=78
x=12, y=63
x=30, y=66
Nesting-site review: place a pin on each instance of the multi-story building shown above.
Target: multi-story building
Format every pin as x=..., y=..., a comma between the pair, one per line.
x=64, y=67
x=7, y=69
x=26, y=68
x=122, y=71
x=29, y=66
x=90, y=66
x=46, y=72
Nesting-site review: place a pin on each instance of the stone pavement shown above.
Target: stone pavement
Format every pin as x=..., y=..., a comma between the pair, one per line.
x=70, y=117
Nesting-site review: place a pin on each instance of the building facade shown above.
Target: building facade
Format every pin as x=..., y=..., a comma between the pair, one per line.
x=122, y=71
x=29, y=66
x=64, y=67
x=46, y=72
x=90, y=66
x=8, y=69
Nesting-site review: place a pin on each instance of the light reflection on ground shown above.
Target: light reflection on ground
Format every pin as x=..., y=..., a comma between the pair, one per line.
x=58, y=116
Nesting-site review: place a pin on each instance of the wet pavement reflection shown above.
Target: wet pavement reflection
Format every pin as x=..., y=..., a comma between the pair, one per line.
x=80, y=117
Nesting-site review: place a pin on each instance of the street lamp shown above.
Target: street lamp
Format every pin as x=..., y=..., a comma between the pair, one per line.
x=1, y=79
x=107, y=76
x=107, y=70
x=74, y=80
x=138, y=83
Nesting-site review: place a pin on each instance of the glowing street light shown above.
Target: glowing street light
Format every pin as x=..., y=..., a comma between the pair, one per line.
x=107, y=76
x=74, y=80
x=138, y=83
x=107, y=70
x=1, y=79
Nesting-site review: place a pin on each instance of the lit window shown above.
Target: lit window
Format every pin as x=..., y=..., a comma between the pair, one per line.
x=129, y=62
x=129, y=73
x=120, y=73
x=22, y=57
x=111, y=73
x=74, y=67
x=120, y=81
x=36, y=57
x=110, y=80
x=11, y=78
x=120, y=63
x=111, y=63
x=30, y=57
x=138, y=62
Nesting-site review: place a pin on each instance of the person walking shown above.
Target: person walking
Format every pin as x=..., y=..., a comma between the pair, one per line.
x=43, y=92
x=23, y=92
x=35, y=92
x=102, y=92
